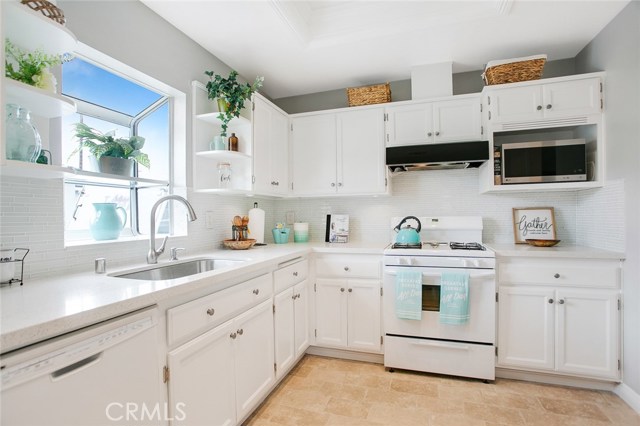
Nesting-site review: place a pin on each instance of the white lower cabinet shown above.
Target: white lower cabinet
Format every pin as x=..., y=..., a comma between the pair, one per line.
x=560, y=329
x=219, y=377
x=348, y=313
x=291, y=314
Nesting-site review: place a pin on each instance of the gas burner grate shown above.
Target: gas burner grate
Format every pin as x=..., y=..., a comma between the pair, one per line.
x=466, y=246
x=406, y=246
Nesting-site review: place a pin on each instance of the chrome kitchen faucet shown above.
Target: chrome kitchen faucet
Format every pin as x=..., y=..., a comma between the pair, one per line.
x=152, y=256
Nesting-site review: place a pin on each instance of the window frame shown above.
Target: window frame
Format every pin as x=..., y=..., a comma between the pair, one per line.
x=176, y=102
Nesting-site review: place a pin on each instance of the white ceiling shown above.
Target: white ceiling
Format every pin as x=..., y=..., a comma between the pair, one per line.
x=304, y=47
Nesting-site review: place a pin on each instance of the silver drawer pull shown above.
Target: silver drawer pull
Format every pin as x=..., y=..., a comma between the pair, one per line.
x=556, y=275
x=346, y=268
x=550, y=300
x=232, y=335
x=240, y=332
x=295, y=274
x=211, y=311
x=256, y=291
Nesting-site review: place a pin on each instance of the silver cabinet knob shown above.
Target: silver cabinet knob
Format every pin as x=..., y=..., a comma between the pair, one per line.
x=211, y=311
x=295, y=274
x=561, y=301
x=437, y=133
x=429, y=134
x=277, y=183
x=346, y=268
x=548, y=106
x=233, y=335
x=333, y=184
x=556, y=275
x=298, y=296
x=550, y=300
x=293, y=297
x=539, y=107
x=339, y=183
x=240, y=332
x=256, y=291
x=342, y=290
x=350, y=290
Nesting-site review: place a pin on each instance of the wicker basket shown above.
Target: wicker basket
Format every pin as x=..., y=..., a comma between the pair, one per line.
x=369, y=95
x=239, y=245
x=48, y=9
x=514, y=70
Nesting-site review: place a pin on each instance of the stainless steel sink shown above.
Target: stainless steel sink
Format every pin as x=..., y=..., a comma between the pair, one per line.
x=178, y=270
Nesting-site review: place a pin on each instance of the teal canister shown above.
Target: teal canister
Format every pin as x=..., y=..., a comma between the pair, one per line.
x=108, y=222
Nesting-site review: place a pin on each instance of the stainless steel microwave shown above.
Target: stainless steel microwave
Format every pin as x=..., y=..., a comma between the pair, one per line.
x=544, y=161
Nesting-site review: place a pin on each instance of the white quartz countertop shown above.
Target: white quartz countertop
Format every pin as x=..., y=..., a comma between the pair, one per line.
x=47, y=307
x=561, y=250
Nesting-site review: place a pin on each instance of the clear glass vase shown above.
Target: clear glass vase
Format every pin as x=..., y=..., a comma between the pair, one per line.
x=23, y=141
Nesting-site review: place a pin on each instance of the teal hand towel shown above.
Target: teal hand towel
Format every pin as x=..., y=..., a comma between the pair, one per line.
x=454, y=298
x=409, y=295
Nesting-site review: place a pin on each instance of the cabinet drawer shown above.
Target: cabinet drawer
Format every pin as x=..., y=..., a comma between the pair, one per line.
x=290, y=275
x=208, y=311
x=583, y=273
x=348, y=267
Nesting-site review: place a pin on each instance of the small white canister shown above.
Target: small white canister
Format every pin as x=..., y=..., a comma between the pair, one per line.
x=301, y=232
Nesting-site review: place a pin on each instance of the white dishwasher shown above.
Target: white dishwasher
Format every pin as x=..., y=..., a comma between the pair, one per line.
x=106, y=374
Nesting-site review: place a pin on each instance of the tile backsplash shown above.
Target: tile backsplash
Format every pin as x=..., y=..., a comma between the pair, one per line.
x=31, y=216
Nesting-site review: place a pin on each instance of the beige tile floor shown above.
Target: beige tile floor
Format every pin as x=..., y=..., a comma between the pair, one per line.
x=327, y=391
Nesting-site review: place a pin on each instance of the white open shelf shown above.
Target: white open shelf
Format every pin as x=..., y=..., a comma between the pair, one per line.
x=40, y=102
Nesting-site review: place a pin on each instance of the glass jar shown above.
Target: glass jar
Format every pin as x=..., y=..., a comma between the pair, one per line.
x=224, y=175
x=22, y=138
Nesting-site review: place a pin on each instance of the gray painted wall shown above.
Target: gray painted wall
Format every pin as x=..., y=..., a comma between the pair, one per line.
x=465, y=82
x=616, y=50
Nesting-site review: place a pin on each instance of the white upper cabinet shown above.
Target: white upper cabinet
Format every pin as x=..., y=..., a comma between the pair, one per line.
x=270, y=148
x=457, y=119
x=338, y=153
x=537, y=101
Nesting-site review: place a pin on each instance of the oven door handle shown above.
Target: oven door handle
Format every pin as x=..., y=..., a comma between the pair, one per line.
x=483, y=274
x=445, y=345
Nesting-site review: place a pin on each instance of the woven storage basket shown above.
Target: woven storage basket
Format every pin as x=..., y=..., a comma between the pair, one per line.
x=369, y=95
x=48, y=9
x=514, y=70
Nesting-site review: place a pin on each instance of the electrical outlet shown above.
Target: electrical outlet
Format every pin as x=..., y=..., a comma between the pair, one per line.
x=209, y=219
x=291, y=217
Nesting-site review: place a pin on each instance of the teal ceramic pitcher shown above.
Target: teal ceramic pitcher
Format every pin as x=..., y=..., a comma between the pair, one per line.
x=108, y=222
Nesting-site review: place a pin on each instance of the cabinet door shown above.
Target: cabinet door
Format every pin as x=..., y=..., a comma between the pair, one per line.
x=284, y=328
x=270, y=149
x=571, y=98
x=457, y=120
x=515, y=104
x=279, y=152
x=254, y=362
x=526, y=327
x=313, y=146
x=331, y=312
x=301, y=315
x=361, y=152
x=588, y=324
x=410, y=124
x=364, y=315
x=203, y=379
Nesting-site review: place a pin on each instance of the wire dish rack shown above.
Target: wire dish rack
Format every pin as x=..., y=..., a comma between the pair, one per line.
x=8, y=261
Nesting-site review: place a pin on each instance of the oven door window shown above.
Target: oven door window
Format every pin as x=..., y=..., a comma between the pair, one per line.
x=431, y=298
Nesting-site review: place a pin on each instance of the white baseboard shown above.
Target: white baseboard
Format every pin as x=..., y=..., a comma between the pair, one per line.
x=345, y=354
x=629, y=396
x=554, y=379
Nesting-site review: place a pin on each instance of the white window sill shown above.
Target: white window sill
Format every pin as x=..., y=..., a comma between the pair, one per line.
x=121, y=239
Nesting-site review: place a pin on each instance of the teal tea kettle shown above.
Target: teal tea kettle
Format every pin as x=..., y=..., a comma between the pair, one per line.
x=408, y=235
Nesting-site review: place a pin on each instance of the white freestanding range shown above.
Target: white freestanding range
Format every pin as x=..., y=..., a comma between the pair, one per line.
x=425, y=344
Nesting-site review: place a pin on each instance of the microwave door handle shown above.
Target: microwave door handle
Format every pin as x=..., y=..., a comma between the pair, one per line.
x=482, y=274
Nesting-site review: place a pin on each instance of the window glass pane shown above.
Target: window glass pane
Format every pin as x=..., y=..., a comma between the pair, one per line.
x=90, y=83
x=80, y=211
x=155, y=129
x=146, y=199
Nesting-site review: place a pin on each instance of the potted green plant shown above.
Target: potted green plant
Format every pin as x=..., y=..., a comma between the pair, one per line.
x=31, y=67
x=113, y=155
x=230, y=95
